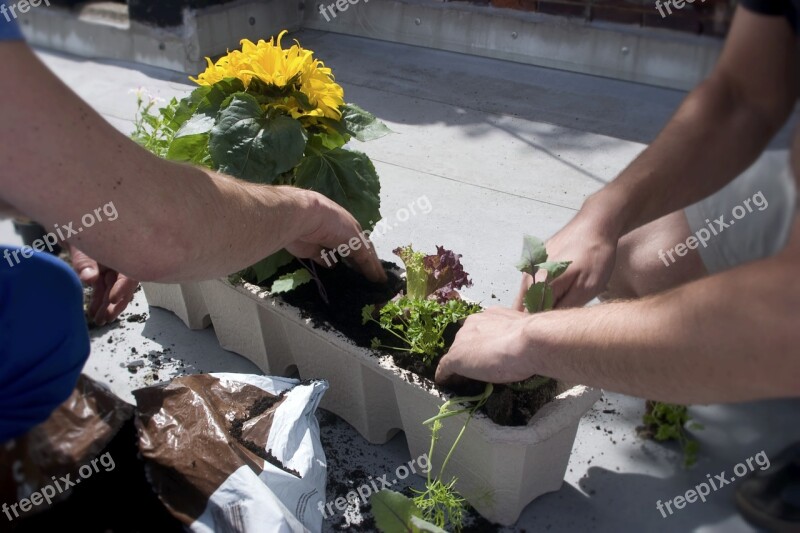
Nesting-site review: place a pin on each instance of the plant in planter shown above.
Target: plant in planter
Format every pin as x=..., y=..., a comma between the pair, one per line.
x=430, y=306
x=419, y=319
x=515, y=403
x=276, y=116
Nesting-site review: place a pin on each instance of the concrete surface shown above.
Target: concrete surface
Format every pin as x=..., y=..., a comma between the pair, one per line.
x=499, y=149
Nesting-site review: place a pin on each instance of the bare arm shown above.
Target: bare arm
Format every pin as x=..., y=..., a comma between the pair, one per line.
x=730, y=337
x=717, y=132
x=60, y=160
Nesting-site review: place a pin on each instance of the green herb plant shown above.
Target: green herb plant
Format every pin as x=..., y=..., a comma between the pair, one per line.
x=418, y=321
x=431, y=304
x=669, y=422
x=439, y=505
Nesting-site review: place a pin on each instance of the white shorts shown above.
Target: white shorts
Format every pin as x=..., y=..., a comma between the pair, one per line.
x=749, y=219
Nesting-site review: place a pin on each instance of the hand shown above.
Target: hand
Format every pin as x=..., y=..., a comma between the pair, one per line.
x=592, y=248
x=331, y=227
x=112, y=290
x=491, y=347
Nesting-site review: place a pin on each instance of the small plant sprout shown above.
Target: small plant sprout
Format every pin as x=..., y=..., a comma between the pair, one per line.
x=419, y=320
x=540, y=296
x=439, y=505
x=669, y=422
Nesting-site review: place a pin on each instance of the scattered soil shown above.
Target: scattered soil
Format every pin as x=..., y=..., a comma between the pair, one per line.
x=257, y=409
x=348, y=293
x=139, y=318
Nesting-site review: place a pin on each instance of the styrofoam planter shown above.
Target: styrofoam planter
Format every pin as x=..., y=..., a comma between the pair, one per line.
x=499, y=469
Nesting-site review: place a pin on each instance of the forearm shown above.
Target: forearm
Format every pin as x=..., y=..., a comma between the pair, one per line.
x=730, y=337
x=62, y=161
x=713, y=137
x=195, y=224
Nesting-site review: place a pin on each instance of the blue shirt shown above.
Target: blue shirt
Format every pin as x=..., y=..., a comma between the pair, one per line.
x=9, y=31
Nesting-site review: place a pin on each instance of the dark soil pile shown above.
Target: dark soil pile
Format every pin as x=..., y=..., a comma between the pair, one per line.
x=347, y=292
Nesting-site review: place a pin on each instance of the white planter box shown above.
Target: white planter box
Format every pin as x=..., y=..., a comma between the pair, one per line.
x=499, y=469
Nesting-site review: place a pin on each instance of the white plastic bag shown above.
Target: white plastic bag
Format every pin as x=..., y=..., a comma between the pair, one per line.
x=205, y=436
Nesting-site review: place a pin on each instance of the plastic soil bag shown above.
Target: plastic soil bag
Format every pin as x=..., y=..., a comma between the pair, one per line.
x=235, y=453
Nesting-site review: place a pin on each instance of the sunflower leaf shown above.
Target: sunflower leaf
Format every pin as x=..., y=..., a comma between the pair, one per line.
x=346, y=177
x=248, y=144
x=362, y=124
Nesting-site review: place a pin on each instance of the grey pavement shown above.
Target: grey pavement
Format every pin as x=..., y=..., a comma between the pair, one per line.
x=499, y=149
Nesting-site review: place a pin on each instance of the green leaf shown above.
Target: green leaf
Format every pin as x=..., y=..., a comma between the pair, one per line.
x=190, y=149
x=249, y=144
x=533, y=253
x=539, y=298
x=289, y=282
x=366, y=314
x=554, y=268
x=346, y=177
x=206, y=100
x=393, y=512
x=266, y=268
x=362, y=124
x=418, y=524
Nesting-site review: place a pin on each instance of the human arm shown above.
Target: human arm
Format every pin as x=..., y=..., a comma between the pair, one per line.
x=175, y=222
x=726, y=338
x=717, y=132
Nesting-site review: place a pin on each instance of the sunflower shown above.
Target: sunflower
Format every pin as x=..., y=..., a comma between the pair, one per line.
x=291, y=79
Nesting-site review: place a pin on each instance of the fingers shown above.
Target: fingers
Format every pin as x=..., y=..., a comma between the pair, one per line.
x=98, y=295
x=120, y=296
x=359, y=253
x=84, y=266
x=574, y=293
x=444, y=372
x=101, y=315
x=367, y=262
